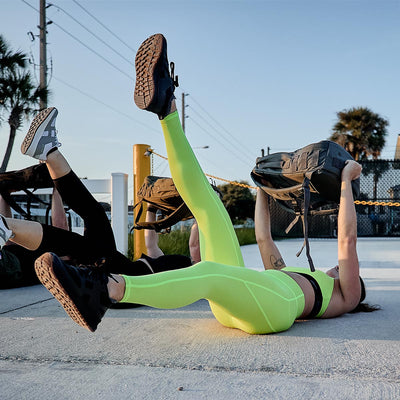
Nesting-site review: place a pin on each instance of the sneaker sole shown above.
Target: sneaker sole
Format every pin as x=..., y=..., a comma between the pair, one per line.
x=36, y=129
x=47, y=276
x=145, y=63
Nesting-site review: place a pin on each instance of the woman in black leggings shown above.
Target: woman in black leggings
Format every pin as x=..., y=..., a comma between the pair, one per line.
x=97, y=244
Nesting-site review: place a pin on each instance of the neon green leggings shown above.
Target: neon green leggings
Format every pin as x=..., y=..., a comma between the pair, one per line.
x=254, y=301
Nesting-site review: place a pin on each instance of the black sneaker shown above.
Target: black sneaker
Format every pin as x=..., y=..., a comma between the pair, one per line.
x=155, y=85
x=82, y=291
x=110, y=265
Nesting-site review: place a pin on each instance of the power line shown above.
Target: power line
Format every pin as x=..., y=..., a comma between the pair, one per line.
x=105, y=27
x=113, y=65
x=239, y=149
x=204, y=160
x=31, y=6
x=93, y=51
x=92, y=33
x=226, y=141
x=164, y=165
x=105, y=104
x=83, y=44
x=219, y=141
x=221, y=126
x=86, y=94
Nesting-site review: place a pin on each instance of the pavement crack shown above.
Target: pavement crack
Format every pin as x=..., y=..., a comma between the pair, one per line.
x=88, y=362
x=27, y=305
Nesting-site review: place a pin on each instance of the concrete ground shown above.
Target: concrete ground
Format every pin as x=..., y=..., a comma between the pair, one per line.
x=144, y=353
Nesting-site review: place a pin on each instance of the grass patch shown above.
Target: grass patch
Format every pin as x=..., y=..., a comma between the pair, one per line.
x=246, y=236
x=175, y=242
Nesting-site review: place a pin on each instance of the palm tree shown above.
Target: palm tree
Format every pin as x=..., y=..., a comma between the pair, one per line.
x=19, y=96
x=361, y=132
x=377, y=168
x=8, y=59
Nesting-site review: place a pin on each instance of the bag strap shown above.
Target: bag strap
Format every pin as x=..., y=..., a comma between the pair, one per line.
x=13, y=204
x=324, y=212
x=277, y=193
x=166, y=222
x=306, y=244
x=27, y=214
x=292, y=224
x=139, y=213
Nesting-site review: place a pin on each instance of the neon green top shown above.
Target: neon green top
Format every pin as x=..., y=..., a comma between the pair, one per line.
x=325, y=283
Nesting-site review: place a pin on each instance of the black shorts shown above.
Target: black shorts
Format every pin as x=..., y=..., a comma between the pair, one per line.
x=167, y=262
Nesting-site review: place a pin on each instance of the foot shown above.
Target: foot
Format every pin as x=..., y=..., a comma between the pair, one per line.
x=5, y=232
x=155, y=85
x=41, y=136
x=82, y=291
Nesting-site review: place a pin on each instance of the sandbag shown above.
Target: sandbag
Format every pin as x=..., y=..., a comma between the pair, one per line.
x=306, y=181
x=161, y=194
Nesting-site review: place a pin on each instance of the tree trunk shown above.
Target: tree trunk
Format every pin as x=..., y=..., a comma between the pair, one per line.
x=15, y=123
x=10, y=145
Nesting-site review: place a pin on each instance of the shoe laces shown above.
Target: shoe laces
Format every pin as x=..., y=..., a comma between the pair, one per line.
x=99, y=268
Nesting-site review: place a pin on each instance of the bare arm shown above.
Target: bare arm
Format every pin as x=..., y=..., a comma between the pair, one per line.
x=151, y=238
x=347, y=239
x=270, y=255
x=5, y=209
x=194, y=244
x=58, y=217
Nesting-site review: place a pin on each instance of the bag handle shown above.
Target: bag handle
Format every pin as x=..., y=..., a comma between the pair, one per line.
x=166, y=222
x=275, y=193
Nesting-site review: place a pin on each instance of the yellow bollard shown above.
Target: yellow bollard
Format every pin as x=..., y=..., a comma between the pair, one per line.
x=141, y=169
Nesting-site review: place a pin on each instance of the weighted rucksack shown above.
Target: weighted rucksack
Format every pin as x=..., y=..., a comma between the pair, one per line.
x=34, y=177
x=306, y=181
x=161, y=194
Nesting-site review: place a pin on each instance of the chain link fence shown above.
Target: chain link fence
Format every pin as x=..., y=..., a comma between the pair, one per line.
x=380, y=185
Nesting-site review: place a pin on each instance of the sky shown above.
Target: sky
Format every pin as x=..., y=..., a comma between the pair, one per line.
x=257, y=75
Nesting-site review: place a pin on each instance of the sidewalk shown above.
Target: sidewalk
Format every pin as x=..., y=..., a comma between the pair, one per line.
x=144, y=353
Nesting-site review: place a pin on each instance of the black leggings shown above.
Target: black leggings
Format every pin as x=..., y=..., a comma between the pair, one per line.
x=98, y=239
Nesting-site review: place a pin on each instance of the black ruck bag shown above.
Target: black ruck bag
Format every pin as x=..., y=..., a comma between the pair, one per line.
x=161, y=193
x=35, y=177
x=306, y=181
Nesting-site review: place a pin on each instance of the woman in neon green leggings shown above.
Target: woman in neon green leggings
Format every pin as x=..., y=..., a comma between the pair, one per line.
x=256, y=302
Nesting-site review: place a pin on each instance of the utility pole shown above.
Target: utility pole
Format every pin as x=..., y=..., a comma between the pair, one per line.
x=43, y=52
x=183, y=110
